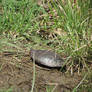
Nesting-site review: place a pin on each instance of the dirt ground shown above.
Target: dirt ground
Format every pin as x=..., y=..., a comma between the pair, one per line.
x=16, y=71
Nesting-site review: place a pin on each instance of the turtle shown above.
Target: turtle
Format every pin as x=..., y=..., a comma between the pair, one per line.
x=47, y=58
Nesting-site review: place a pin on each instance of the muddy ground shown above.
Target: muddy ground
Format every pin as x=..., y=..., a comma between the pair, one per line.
x=16, y=72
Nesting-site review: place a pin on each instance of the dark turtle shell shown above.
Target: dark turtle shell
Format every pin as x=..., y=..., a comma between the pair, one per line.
x=47, y=58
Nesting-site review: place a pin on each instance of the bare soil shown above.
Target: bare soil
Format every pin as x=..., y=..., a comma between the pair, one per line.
x=16, y=71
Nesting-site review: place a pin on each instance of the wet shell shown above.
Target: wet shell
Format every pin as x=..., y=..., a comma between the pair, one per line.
x=47, y=58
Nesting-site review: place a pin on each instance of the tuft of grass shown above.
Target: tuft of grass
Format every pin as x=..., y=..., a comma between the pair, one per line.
x=75, y=20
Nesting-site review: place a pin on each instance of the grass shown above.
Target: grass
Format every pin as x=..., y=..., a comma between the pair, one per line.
x=66, y=28
x=75, y=22
x=76, y=88
x=49, y=89
x=85, y=84
x=18, y=17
